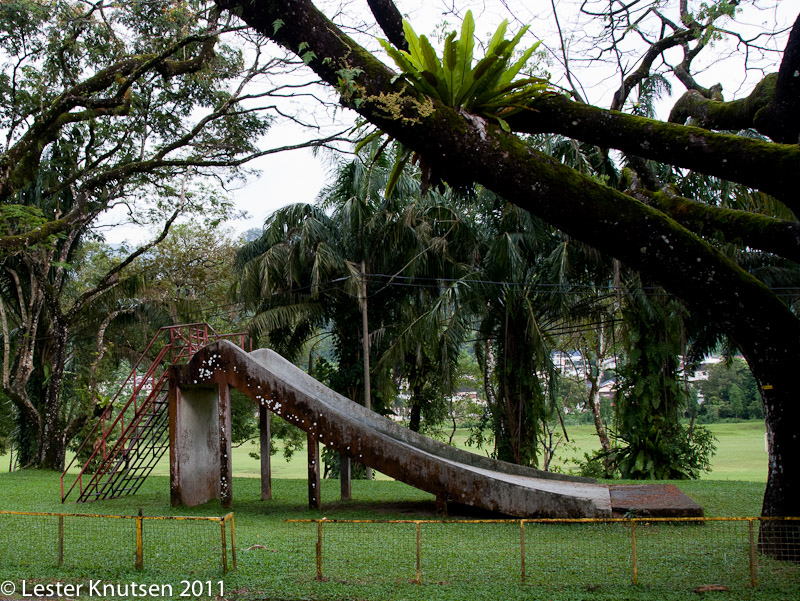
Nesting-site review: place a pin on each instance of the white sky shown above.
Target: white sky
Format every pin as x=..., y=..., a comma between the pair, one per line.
x=297, y=176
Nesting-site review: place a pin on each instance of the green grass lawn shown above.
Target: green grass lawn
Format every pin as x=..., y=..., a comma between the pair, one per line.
x=740, y=454
x=376, y=562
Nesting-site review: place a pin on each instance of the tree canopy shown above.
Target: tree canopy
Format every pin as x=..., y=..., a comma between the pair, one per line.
x=643, y=221
x=145, y=108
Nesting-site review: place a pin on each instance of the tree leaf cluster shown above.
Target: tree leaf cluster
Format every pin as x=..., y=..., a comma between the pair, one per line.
x=487, y=88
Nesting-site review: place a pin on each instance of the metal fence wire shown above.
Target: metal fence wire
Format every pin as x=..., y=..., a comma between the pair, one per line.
x=169, y=544
x=734, y=553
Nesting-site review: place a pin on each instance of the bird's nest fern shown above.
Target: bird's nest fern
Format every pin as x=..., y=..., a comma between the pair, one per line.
x=486, y=88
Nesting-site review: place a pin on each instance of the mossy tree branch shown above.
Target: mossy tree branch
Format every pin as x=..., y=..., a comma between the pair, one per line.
x=771, y=168
x=762, y=232
x=773, y=108
x=457, y=142
x=717, y=114
x=15, y=243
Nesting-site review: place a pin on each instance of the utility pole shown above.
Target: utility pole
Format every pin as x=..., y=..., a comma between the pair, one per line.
x=365, y=346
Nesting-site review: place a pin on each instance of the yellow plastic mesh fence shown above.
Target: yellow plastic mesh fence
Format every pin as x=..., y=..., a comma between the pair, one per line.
x=777, y=543
x=93, y=543
x=183, y=547
x=111, y=543
x=733, y=553
x=582, y=553
x=354, y=552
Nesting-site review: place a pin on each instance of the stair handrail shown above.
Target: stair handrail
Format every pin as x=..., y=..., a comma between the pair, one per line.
x=203, y=334
x=119, y=417
x=155, y=392
x=136, y=389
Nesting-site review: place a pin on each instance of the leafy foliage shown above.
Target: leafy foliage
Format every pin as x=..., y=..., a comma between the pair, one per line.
x=665, y=451
x=103, y=104
x=651, y=442
x=487, y=88
x=730, y=392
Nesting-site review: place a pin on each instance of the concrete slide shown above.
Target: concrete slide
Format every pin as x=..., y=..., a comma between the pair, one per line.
x=337, y=422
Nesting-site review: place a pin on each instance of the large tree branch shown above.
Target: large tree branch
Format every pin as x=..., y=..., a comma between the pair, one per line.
x=716, y=114
x=773, y=108
x=456, y=142
x=781, y=119
x=771, y=168
x=17, y=242
x=765, y=233
x=390, y=20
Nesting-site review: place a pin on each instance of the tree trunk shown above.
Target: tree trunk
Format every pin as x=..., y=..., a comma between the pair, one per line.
x=593, y=400
x=782, y=414
x=365, y=347
x=415, y=417
x=52, y=440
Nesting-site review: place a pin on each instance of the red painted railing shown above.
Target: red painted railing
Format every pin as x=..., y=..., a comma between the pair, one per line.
x=182, y=342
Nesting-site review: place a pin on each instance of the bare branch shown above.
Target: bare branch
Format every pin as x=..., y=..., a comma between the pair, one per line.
x=564, y=56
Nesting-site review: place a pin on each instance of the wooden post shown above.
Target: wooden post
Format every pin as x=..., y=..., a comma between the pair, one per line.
x=634, y=558
x=345, y=476
x=264, y=420
x=139, y=541
x=522, y=547
x=314, y=500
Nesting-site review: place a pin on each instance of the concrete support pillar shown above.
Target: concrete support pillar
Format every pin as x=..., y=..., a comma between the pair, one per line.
x=314, y=500
x=345, y=475
x=195, y=449
x=441, y=505
x=264, y=415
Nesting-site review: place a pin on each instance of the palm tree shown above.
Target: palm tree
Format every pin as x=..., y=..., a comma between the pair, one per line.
x=311, y=266
x=506, y=302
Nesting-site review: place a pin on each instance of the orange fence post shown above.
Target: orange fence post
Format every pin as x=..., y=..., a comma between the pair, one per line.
x=233, y=539
x=319, y=550
x=753, y=574
x=139, y=541
x=224, y=548
x=419, y=556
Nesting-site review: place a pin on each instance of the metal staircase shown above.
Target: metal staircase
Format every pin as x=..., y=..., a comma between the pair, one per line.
x=131, y=436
